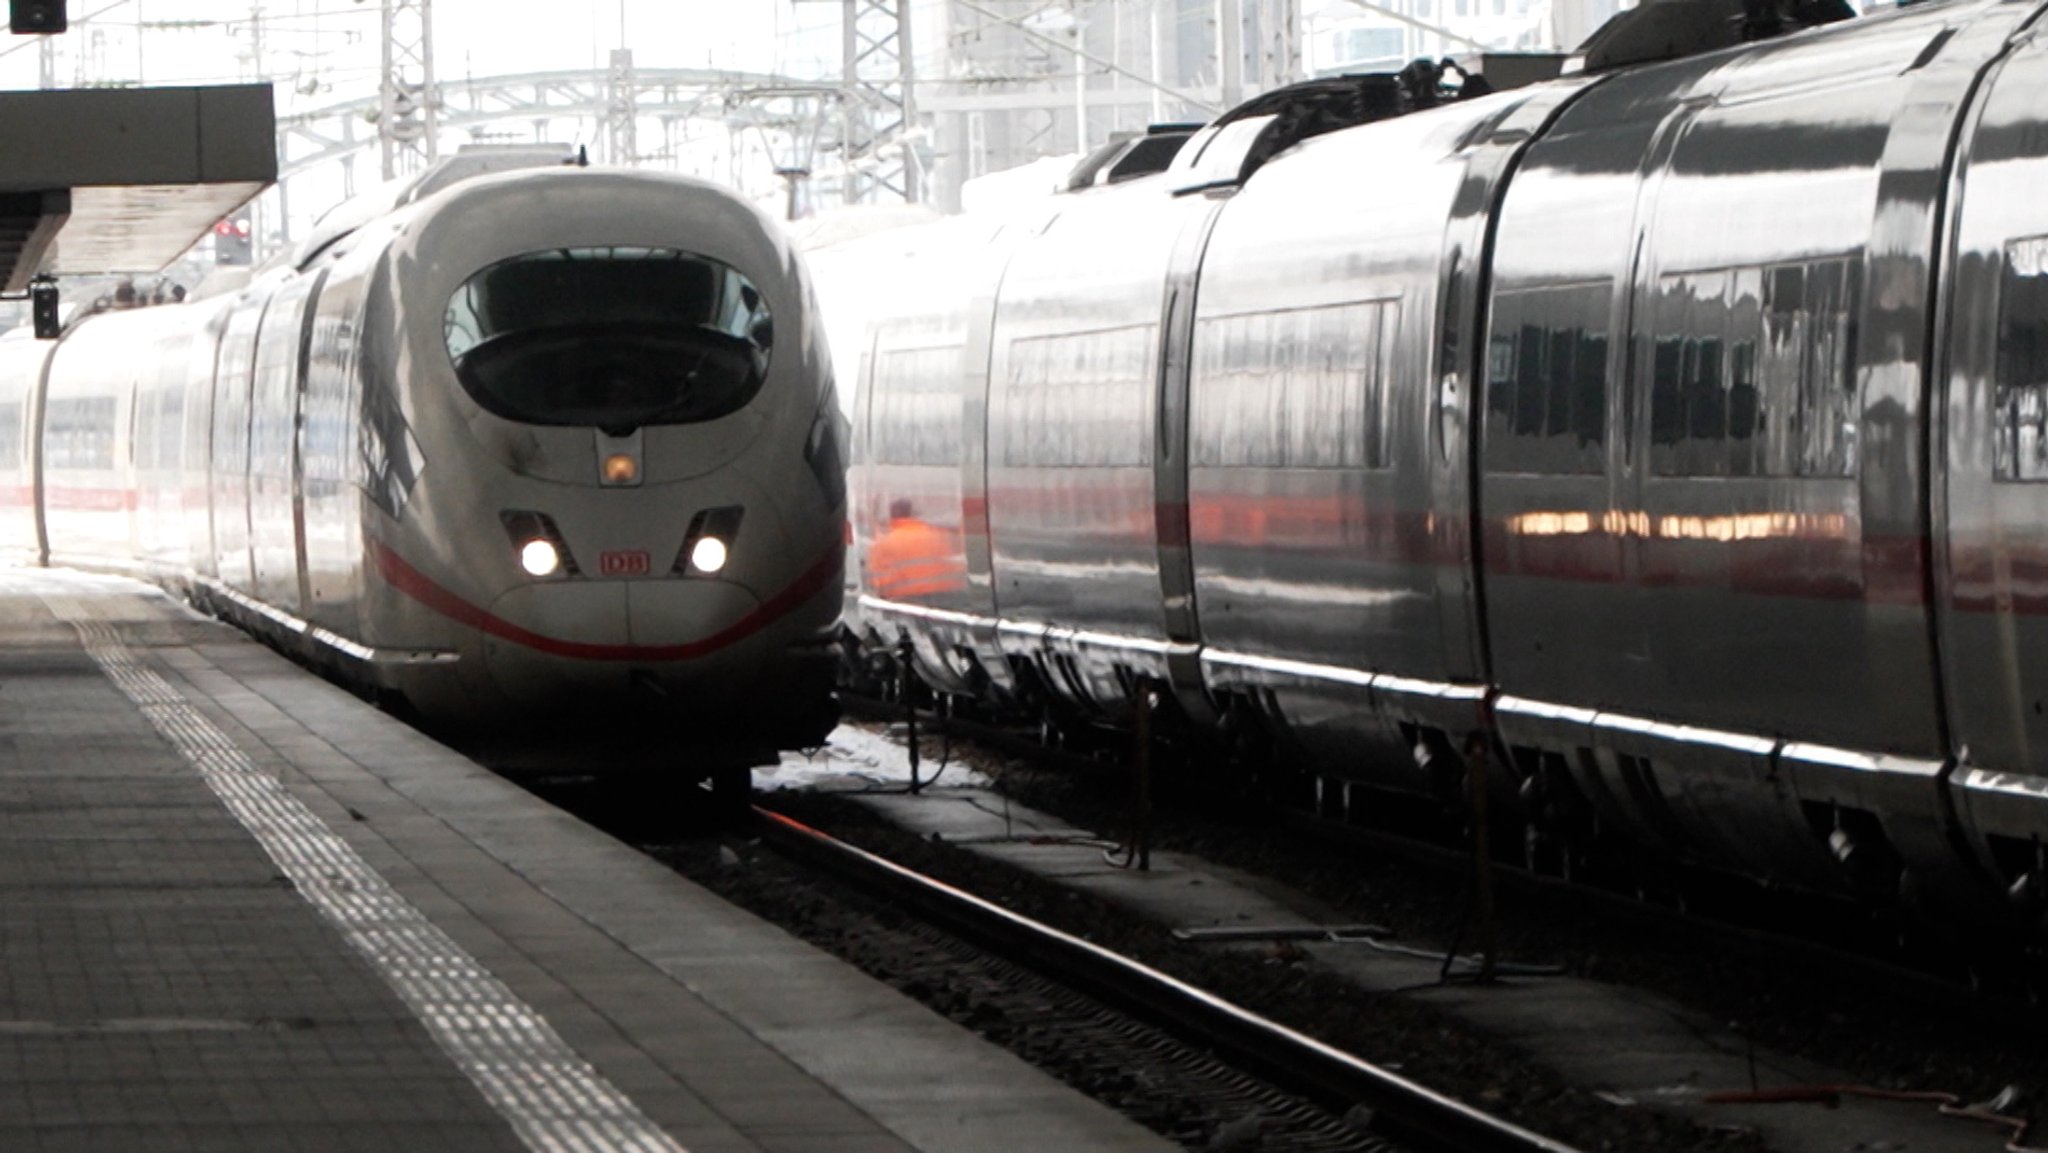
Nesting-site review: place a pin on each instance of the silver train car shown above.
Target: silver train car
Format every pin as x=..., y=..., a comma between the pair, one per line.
x=1677, y=430
x=550, y=449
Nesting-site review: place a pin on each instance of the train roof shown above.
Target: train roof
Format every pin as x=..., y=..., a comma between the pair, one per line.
x=389, y=197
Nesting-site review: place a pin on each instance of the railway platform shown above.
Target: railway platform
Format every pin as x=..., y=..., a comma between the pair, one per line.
x=246, y=911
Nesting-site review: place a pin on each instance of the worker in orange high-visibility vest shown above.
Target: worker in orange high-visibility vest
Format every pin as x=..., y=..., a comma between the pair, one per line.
x=914, y=559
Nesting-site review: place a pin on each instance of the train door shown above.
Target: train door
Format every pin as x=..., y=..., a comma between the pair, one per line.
x=21, y=367
x=1553, y=421
x=1170, y=463
x=134, y=387
x=982, y=640
x=85, y=406
x=229, y=482
x=275, y=544
x=159, y=426
x=912, y=521
x=1072, y=388
x=330, y=503
x=195, y=458
x=1991, y=472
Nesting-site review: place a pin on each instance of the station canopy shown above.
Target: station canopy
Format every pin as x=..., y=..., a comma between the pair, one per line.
x=113, y=180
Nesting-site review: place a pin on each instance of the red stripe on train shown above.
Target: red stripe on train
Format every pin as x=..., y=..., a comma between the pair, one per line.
x=422, y=588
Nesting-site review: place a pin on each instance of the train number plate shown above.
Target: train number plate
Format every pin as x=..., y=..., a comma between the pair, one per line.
x=623, y=563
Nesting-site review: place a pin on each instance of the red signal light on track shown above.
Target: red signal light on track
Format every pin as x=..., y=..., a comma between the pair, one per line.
x=232, y=241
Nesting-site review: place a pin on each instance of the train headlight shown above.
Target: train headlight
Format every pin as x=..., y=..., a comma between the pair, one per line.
x=538, y=543
x=708, y=554
x=540, y=558
x=707, y=547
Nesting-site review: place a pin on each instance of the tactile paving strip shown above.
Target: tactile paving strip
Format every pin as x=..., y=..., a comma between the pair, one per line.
x=554, y=1100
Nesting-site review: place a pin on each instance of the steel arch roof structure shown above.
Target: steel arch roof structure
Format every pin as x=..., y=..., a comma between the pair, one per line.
x=786, y=109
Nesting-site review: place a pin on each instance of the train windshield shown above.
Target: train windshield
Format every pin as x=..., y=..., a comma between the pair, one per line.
x=612, y=337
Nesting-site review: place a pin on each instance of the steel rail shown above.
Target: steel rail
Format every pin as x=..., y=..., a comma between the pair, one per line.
x=1402, y=1110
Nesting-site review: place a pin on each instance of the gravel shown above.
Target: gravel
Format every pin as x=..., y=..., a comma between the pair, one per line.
x=1399, y=1034
x=1880, y=1031
x=1855, y=1022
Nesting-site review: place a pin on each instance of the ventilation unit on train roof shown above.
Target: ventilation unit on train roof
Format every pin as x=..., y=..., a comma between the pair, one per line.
x=1233, y=146
x=1129, y=156
x=1671, y=29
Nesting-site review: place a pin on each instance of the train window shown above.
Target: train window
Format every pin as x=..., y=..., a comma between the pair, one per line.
x=916, y=414
x=1667, y=405
x=1827, y=433
x=1751, y=372
x=1532, y=363
x=79, y=433
x=1304, y=388
x=1080, y=399
x=613, y=337
x=326, y=443
x=160, y=399
x=2022, y=388
x=1546, y=380
x=10, y=436
x=1749, y=438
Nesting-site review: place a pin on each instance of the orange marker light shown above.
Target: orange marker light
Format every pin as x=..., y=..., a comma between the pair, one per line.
x=621, y=468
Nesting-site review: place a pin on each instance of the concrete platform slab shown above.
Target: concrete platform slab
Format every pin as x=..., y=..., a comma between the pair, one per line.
x=257, y=914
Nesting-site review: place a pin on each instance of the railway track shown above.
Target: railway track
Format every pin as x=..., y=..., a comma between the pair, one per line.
x=1151, y=1054
x=1780, y=972
x=1330, y=1099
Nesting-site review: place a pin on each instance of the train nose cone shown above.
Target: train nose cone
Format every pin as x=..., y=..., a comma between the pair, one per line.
x=616, y=644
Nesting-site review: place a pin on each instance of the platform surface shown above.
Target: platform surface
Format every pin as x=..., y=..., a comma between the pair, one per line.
x=246, y=911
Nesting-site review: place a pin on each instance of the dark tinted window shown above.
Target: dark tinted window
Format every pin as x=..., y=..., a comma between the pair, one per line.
x=612, y=337
x=1546, y=380
x=2022, y=388
x=1751, y=373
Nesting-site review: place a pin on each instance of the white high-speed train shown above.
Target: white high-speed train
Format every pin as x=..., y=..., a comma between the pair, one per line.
x=1674, y=432
x=554, y=446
